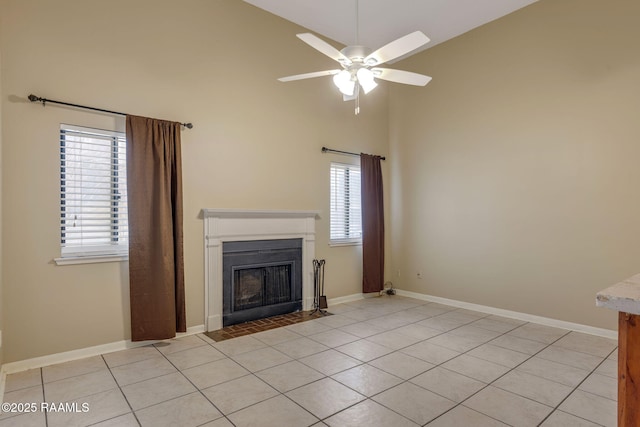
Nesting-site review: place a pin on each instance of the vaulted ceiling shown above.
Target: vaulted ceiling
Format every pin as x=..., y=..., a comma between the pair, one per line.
x=382, y=21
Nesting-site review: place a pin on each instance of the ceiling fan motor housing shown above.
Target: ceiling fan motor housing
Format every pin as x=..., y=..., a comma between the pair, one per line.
x=356, y=53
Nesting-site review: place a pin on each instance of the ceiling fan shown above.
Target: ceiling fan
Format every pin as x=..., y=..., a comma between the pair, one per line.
x=360, y=64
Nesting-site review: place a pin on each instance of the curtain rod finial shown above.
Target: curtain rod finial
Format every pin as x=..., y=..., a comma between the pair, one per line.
x=33, y=98
x=188, y=125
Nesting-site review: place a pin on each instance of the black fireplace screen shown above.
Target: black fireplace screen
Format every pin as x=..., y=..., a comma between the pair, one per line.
x=257, y=287
x=261, y=278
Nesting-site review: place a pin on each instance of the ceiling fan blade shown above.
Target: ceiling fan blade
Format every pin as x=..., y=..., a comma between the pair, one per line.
x=399, y=76
x=309, y=75
x=397, y=48
x=324, y=47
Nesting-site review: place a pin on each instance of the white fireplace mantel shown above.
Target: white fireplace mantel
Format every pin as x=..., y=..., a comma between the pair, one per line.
x=226, y=225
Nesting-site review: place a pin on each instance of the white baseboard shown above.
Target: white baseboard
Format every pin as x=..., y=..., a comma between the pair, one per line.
x=345, y=299
x=67, y=356
x=606, y=333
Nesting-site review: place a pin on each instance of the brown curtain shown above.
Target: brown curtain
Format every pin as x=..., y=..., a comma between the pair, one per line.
x=156, y=264
x=372, y=224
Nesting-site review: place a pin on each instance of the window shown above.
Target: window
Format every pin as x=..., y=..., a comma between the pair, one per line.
x=93, y=192
x=346, y=216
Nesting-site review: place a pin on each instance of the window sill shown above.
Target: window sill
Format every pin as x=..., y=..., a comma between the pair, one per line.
x=347, y=243
x=90, y=259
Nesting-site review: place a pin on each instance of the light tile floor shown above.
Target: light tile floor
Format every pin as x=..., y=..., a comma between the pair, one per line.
x=388, y=361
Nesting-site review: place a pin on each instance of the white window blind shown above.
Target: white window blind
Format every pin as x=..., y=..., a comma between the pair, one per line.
x=93, y=192
x=346, y=214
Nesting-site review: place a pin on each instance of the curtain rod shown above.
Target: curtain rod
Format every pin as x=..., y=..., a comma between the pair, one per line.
x=325, y=149
x=34, y=98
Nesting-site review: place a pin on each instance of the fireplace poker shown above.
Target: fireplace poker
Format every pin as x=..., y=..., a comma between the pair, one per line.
x=319, y=299
x=322, y=299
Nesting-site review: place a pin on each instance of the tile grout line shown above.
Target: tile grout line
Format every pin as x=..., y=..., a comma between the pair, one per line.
x=121, y=392
x=325, y=376
x=488, y=384
x=442, y=333
x=253, y=374
x=471, y=349
x=408, y=380
x=46, y=413
x=402, y=380
x=510, y=370
x=137, y=382
x=399, y=349
x=196, y=387
x=532, y=356
x=440, y=365
x=579, y=384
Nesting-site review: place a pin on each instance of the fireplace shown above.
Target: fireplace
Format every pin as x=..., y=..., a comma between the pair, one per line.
x=260, y=278
x=224, y=226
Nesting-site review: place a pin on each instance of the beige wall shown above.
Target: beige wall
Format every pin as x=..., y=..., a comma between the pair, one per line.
x=256, y=142
x=515, y=175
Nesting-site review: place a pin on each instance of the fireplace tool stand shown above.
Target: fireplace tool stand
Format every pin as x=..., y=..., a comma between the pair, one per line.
x=319, y=299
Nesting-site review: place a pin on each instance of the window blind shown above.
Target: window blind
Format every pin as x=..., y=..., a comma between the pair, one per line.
x=93, y=192
x=346, y=214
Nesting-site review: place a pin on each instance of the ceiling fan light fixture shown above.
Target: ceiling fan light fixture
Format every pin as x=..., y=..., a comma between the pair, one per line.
x=365, y=78
x=360, y=64
x=344, y=82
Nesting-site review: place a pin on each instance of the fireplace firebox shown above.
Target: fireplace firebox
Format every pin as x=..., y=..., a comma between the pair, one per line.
x=260, y=278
